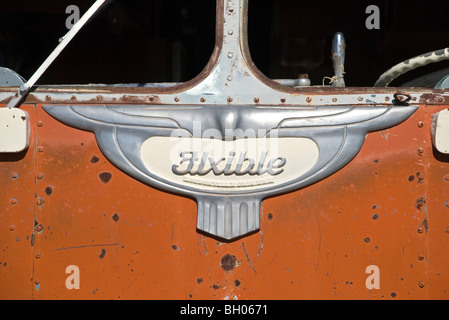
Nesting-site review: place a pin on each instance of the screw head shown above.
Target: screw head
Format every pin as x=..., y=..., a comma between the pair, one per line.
x=421, y=284
x=40, y=201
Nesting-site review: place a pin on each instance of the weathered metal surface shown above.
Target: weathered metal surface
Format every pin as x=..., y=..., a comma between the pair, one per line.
x=65, y=206
x=386, y=208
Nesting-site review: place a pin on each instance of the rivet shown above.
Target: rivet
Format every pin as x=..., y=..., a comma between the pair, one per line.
x=309, y=99
x=37, y=281
x=420, y=150
x=47, y=98
x=151, y=98
x=230, y=55
x=40, y=124
x=334, y=100
x=176, y=99
x=39, y=228
x=421, y=284
x=420, y=230
x=13, y=201
x=12, y=228
x=202, y=100
x=229, y=99
x=125, y=98
x=420, y=257
x=40, y=149
x=73, y=98
x=40, y=176
x=447, y=229
x=283, y=100
x=14, y=175
x=420, y=124
x=37, y=255
x=230, y=32
x=230, y=78
x=256, y=100
x=387, y=98
x=446, y=178
x=99, y=98
x=40, y=201
x=446, y=204
x=360, y=99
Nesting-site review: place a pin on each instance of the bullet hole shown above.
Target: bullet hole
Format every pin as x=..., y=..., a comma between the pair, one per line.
x=375, y=216
x=367, y=240
x=115, y=217
x=393, y=294
x=102, y=254
x=105, y=177
x=228, y=262
x=411, y=178
x=374, y=207
x=48, y=191
x=94, y=159
x=270, y=216
x=376, y=161
x=216, y=286
x=199, y=280
x=237, y=283
x=174, y=247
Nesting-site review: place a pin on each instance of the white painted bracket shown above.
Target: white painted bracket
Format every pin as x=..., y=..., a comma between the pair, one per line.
x=440, y=131
x=14, y=130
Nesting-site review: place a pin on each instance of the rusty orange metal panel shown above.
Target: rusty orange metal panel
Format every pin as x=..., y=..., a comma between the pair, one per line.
x=387, y=208
x=18, y=228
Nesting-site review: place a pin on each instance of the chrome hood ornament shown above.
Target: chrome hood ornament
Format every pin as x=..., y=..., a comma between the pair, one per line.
x=231, y=137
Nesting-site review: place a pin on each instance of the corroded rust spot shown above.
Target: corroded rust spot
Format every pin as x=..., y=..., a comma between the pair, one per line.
x=115, y=217
x=48, y=191
x=102, y=254
x=420, y=202
x=228, y=262
x=94, y=159
x=105, y=177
